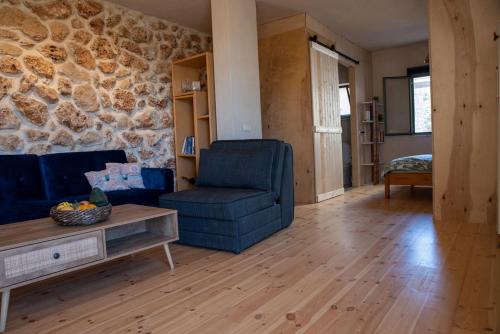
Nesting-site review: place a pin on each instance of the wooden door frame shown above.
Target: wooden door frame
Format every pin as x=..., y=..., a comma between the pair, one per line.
x=498, y=107
x=356, y=168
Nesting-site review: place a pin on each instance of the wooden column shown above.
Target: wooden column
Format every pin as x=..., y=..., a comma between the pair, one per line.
x=464, y=107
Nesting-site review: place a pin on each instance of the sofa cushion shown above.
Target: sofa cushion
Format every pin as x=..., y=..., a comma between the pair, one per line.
x=22, y=210
x=147, y=197
x=217, y=203
x=20, y=177
x=158, y=178
x=276, y=146
x=107, y=180
x=19, y=210
x=63, y=173
x=129, y=172
x=235, y=169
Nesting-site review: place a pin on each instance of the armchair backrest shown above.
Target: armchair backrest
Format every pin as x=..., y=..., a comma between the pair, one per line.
x=278, y=153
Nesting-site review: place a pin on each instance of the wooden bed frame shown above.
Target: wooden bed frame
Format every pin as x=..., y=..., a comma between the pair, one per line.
x=406, y=179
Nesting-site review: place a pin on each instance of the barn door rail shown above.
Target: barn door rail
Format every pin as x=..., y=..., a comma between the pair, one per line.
x=332, y=47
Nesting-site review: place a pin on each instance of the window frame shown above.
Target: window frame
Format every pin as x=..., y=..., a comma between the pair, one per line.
x=411, y=73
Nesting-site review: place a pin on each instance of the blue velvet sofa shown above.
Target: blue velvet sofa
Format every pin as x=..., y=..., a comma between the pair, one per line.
x=30, y=185
x=244, y=194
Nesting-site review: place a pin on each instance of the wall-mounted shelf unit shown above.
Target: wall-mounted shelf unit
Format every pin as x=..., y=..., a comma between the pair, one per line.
x=372, y=136
x=194, y=115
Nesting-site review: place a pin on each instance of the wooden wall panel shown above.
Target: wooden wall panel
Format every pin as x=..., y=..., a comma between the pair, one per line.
x=465, y=108
x=286, y=96
x=286, y=102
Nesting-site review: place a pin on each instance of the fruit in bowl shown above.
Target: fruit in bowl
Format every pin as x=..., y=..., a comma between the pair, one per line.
x=98, y=197
x=65, y=206
x=83, y=205
x=83, y=213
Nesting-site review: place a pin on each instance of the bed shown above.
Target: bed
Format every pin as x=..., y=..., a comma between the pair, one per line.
x=413, y=171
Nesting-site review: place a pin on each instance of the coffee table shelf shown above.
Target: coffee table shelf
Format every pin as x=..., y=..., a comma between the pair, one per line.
x=132, y=244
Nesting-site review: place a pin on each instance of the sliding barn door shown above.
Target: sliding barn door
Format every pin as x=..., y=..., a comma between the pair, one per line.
x=327, y=128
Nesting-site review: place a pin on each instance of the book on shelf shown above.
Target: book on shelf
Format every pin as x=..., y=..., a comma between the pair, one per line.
x=380, y=137
x=188, y=147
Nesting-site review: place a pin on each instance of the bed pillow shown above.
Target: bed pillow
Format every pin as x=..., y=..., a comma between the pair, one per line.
x=106, y=180
x=131, y=174
x=235, y=169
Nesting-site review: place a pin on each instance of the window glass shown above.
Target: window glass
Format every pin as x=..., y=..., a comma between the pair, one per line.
x=422, y=104
x=345, y=106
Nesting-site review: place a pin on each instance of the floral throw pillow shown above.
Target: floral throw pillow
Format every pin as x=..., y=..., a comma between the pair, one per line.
x=106, y=180
x=131, y=174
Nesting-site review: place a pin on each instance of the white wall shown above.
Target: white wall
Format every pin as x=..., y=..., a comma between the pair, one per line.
x=394, y=62
x=236, y=65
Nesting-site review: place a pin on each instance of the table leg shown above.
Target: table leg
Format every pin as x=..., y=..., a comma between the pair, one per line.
x=4, y=310
x=169, y=256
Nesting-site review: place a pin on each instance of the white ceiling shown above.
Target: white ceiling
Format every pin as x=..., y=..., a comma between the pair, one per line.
x=372, y=24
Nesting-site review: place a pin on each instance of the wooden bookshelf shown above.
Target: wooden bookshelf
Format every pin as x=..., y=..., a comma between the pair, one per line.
x=194, y=113
x=371, y=138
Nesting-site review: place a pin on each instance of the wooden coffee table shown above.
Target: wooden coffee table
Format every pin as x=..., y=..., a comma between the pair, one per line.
x=39, y=249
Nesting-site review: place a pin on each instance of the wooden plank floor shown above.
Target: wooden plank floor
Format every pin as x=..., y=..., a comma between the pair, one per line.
x=354, y=264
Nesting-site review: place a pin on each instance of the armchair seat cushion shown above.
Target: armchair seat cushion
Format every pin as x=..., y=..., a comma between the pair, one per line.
x=218, y=203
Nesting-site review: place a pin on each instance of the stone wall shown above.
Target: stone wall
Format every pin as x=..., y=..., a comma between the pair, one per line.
x=86, y=75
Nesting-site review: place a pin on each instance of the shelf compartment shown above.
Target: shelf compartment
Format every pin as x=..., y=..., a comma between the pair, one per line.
x=203, y=133
x=186, y=169
x=183, y=96
x=197, y=61
x=189, y=69
x=369, y=164
x=184, y=122
x=190, y=156
x=127, y=239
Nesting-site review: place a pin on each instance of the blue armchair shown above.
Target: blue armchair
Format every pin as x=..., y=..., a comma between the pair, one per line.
x=244, y=194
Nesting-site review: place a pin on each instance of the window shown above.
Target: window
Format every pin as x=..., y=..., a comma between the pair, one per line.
x=421, y=104
x=407, y=103
x=344, y=96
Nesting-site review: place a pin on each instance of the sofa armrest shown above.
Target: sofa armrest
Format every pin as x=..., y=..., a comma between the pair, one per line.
x=287, y=189
x=158, y=178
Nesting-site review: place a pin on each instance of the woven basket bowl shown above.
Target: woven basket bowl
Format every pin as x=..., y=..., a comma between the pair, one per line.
x=81, y=217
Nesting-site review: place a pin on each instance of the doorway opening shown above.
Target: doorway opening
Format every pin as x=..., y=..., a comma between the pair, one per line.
x=345, y=119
